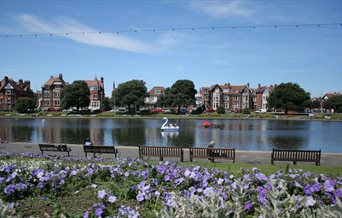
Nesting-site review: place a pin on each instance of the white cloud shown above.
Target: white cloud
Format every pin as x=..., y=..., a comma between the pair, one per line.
x=64, y=25
x=220, y=9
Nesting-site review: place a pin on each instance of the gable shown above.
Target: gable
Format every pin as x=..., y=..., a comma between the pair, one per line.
x=8, y=86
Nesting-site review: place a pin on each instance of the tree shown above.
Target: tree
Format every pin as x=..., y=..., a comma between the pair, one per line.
x=75, y=95
x=220, y=110
x=181, y=93
x=130, y=94
x=288, y=96
x=25, y=104
x=334, y=102
x=106, y=104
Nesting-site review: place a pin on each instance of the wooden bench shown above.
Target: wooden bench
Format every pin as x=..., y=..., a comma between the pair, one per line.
x=296, y=155
x=99, y=149
x=161, y=152
x=54, y=148
x=212, y=153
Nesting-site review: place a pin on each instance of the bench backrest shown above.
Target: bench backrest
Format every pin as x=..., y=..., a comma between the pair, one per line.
x=224, y=153
x=161, y=151
x=296, y=155
x=51, y=147
x=99, y=149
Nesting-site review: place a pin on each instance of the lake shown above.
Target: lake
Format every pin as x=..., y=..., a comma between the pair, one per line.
x=241, y=134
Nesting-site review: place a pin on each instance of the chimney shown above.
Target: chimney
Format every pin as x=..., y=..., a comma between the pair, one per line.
x=51, y=77
x=259, y=85
x=28, y=84
x=248, y=85
x=60, y=76
x=101, y=79
x=229, y=85
x=21, y=83
x=6, y=79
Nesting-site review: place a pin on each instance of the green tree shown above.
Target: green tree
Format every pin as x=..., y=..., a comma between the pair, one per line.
x=220, y=110
x=130, y=94
x=288, y=96
x=335, y=102
x=181, y=93
x=25, y=104
x=75, y=95
x=106, y=104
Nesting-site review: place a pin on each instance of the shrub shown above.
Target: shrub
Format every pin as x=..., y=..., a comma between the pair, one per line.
x=246, y=111
x=220, y=109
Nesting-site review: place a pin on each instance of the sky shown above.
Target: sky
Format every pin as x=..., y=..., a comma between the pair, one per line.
x=119, y=43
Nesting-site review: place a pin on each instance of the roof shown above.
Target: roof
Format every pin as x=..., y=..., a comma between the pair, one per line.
x=152, y=91
x=52, y=80
x=15, y=85
x=94, y=82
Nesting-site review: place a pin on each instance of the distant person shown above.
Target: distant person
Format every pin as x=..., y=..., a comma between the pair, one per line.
x=210, y=152
x=88, y=142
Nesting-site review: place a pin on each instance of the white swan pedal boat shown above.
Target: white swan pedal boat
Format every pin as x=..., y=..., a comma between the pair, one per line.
x=168, y=127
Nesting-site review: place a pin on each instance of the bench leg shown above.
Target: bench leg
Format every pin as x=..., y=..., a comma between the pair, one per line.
x=318, y=163
x=68, y=154
x=86, y=154
x=94, y=155
x=272, y=162
x=294, y=162
x=42, y=153
x=161, y=158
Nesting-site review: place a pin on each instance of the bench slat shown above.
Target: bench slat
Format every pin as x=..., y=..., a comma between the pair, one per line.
x=212, y=153
x=161, y=152
x=296, y=155
x=99, y=149
x=55, y=148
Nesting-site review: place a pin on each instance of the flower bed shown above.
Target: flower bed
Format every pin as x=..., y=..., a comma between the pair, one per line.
x=34, y=185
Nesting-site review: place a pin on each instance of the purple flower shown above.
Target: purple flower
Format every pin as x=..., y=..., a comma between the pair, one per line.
x=310, y=202
x=9, y=189
x=101, y=194
x=86, y=214
x=111, y=199
x=155, y=181
x=338, y=193
x=248, y=205
x=98, y=212
x=262, y=195
x=329, y=185
x=140, y=197
x=260, y=177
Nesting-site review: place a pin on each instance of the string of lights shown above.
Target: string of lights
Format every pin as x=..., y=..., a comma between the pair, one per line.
x=4, y=35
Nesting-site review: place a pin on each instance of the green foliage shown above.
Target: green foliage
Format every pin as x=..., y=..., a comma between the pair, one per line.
x=246, y=111
x=335, y=102
x=181, y=93
x=220, y=110
x=75, y=95
x=130, y=94
x=288, y=96
x=106, y=104
x=25, y=104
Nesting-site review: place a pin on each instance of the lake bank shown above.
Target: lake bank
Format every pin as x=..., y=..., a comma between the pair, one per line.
x=248, y=157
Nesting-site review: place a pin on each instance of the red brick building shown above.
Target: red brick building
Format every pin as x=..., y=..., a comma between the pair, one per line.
x=97, y=93
x=50, y=96
x=10, y=91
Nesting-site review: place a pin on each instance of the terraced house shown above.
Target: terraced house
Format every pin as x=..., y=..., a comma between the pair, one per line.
x=10, y=91
x=235, y=97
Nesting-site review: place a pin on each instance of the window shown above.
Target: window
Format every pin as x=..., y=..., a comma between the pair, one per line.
x=236, y=98
x=46, y=93
x=47, y=103
x=9, y=100
x=1, y=101
x=9, y=92
x=226, y=98
x=57, y=103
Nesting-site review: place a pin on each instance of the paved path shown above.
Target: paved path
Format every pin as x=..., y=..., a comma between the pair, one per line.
x=252, y=157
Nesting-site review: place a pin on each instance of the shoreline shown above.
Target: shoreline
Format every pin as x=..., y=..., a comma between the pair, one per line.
x=242, y=156
x=190, y=117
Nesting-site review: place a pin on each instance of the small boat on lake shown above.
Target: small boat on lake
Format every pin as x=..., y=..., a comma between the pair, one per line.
x=169, y=127
x=207, y=124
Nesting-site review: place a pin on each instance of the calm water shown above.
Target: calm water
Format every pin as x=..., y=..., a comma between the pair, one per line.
x=241, y=134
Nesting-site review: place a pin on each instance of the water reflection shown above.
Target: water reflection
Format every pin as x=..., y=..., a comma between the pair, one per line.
x=240, y=134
